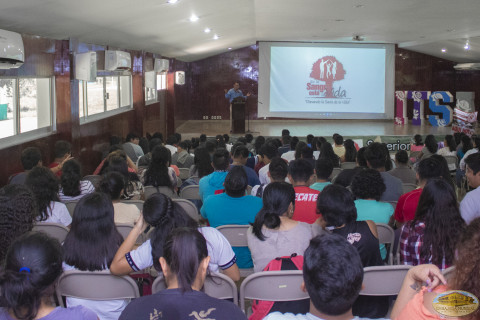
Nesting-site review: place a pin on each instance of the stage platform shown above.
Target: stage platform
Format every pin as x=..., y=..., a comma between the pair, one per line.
x=301, y=128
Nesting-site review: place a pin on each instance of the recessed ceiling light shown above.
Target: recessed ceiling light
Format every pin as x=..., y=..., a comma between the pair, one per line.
x=467, y=46
x=172, y=1
x=207, y=30
x=193, y=18
x=229, y=48
x=444, y=50
x=215, y=37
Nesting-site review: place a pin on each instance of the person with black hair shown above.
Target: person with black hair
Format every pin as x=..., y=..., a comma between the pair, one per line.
x=450, y=147
x=115, y=150
x=44, y=185
x=91, y=245
x=274, y=233
x=466, y=146
x=326, y=152
x=72, y=187
x=431, y=147
x=310, y=138
x=144, y=161
x=345, y=177
x=183, y=258
x=233, y=207
x=240, y=157
x=32, y=266
x=131, y=147
x=300, y=174
x=416, y=145
x=470, y=205
x=164, y=215
x=159, y=173
x=476, y=147
x=210, y=184
x=323, y=171
x=202, y=164
x=269, y=151
x=63, y=152
x=277, y=172
x=331, y=266
x=433, y=233
x=338, y=147
x=335, y=204
x=350, y=151
x=377, y=156
x=31, y=157
x=249, y=139
x=112, y=184
x=285, y=145
x=182, y=158
x=402, y=170
x=290, y=155
x=133, y=189
x=18, y=208
x=367, y=187
x=427, y=169
x=171, y=144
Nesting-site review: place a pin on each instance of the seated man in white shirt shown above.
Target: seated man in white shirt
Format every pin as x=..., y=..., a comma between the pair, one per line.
x=290, y=155
x=269, y=151
x=470, y=205
x=331, y=265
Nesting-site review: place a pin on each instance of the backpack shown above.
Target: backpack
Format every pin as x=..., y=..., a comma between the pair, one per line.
x=262, y=308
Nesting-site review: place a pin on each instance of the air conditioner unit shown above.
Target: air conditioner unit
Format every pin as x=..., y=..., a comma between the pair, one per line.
x=467, y=66
x=161, y=65
x=115, y=60
x=12, y=54
x=180, y=77
x=86, y=66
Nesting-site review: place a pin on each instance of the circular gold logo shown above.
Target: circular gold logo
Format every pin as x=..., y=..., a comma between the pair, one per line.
x=455, y=303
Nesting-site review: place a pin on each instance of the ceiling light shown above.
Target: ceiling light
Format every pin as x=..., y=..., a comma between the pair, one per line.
x=193, y=18
x=444, y=50
x=207, y=30
x=172, y=1
x=215, y=37
x=467, y=46
x=229, y=48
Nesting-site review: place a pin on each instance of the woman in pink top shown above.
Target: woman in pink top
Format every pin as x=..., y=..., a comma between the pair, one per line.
x=415, y=147
x=415, y=301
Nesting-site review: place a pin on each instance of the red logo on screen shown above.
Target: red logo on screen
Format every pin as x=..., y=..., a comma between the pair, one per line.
x=327, y=69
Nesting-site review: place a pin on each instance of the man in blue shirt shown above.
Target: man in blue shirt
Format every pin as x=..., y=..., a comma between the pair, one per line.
x=231, y=94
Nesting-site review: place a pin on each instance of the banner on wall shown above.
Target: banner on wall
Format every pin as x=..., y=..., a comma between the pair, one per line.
x=464, y=115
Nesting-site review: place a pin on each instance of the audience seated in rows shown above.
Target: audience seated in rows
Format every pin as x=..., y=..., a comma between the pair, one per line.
x=72, y=187
x=131, y=147
x=300, y=174
x=182, y=158
x=402, y=170
x=159, y=173
x=323, y=171
x=183, y=257
x=209, y=184
x=164, y=215
x=133, y=189
x=277, y=172
x=470, y=205
x=233, y=207
x=32, y=266
x=91, y=245
x=326, y=152
x=44, y=185
x=240, y=156
x=274, y=233
x=113, y=184
x=335, y=204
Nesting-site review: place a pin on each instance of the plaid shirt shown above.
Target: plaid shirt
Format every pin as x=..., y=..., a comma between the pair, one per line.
x=411, y=242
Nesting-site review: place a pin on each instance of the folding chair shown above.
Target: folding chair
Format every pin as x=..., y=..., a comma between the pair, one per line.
x=237, y=237
x=124, y=229
x=55, y=230
x=138, y=203
x=383, y=280
x=94, y=179
x=96, y=285
x=335, y=173
x=184, y=173
x=190, y=193
x=386, y=236
x=452, y=162
x=189, y=208
x=448, y=273
x=348, y=165
x=407, y=187
x=71, y=206
x=149, y=190
x=272, y=286
x=216, y=285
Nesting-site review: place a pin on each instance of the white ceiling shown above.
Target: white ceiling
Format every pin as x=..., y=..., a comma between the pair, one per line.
x=153, y=25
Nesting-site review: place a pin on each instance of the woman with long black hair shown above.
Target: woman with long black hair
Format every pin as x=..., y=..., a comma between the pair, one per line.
x=159, y=172
x=72, y=187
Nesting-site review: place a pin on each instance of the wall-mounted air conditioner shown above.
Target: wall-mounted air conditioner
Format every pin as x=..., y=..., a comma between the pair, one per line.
x=86, y=66
x=180, y=77
x=12, y=54
x=161, y=65
x=115, y=60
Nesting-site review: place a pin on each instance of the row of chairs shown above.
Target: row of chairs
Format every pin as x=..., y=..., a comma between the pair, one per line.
x=265, y=285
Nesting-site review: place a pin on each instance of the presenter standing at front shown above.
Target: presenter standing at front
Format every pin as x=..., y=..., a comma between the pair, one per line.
x=231, y=94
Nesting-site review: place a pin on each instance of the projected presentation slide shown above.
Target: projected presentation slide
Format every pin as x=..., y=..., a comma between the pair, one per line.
x=326, y=81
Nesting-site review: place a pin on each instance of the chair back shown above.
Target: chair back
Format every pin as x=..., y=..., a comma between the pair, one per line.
x=124, y=229
x=149, y=190
x=94, y=179
x=71, y=206
x=216, y=285
x=448, y=273
x=272, y=286
x=383, y=280
x=138, y=203
x=96, y=285
x=452, y=162
x=348, y=165
x=335, y=173
x=235, y=234
x=407, y=187
x=55, y=230
x=386, y=235
x=189, y=208
x=184, y=173
x=190, y=192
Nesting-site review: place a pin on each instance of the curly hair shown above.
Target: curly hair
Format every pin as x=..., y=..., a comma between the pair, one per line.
x=467, y=263
x=368, y=184
x=44, y=185
x=438, y=209
x=18, y=208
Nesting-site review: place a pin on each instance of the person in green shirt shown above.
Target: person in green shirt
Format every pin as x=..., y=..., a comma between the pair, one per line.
x=323, y=170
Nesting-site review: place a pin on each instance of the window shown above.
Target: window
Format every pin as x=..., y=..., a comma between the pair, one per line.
x=104, y=97
x=26, y=108
x=153, y=83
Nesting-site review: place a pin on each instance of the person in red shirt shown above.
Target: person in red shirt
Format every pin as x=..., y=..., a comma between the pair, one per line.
x=63, y=153
x=407, y=203
x=300, y=174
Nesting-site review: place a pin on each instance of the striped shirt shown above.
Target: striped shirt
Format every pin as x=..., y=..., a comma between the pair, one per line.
x=86, y=187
